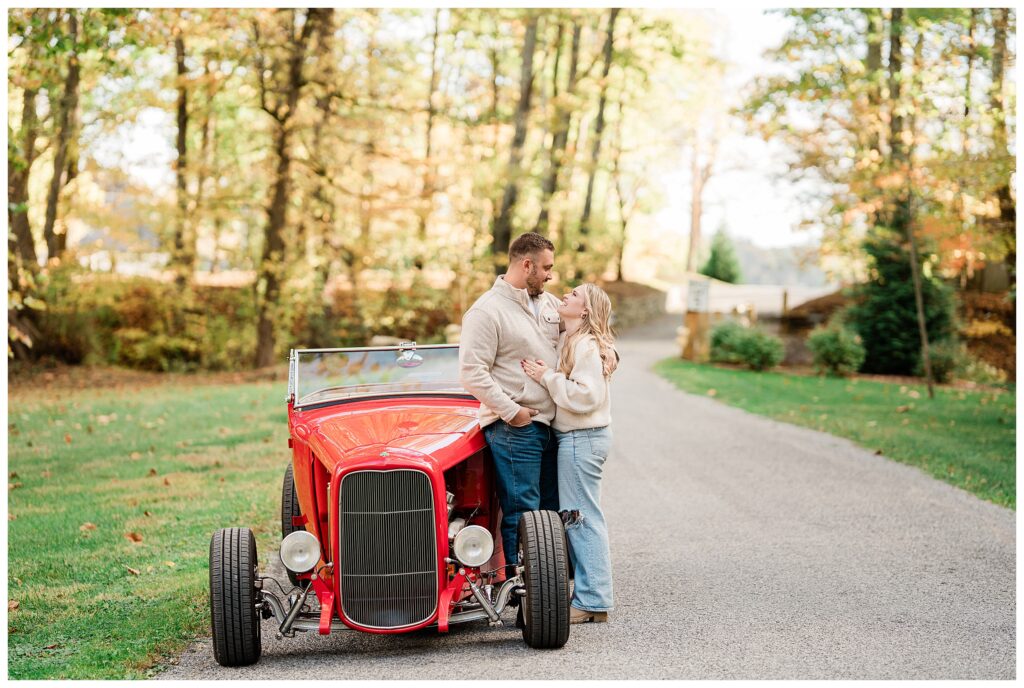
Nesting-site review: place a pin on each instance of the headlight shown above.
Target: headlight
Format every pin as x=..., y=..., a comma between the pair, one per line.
x=300, y=551
x=473, y=546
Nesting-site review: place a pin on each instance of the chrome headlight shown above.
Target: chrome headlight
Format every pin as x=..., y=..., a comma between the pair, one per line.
x=300, y=551
x=473, y=545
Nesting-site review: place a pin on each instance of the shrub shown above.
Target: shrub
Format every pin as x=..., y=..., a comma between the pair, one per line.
x=836, y=350
x=946, y=357
x=952, y=361
x=725, y=342
x=733, y=343
x=761, y=351
x=974, y=369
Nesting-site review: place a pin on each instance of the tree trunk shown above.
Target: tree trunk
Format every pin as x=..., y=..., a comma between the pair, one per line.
x=563, y=121
x=902, y=218
x=619, y=195
x=179, y=259
x=207, y=141
x=271, y=268
x=699, y=175
x=595, y=152
x=18, y=168
x=502, y=230
x=427, y=194
x=65, y=132
x=1007, y=208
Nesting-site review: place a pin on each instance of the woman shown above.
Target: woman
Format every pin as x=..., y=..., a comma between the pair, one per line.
x=580, y=390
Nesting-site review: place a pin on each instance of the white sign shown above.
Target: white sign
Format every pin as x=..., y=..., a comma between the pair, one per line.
x=697, y=296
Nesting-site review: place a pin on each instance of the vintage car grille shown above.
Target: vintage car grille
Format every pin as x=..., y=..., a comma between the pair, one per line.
x=387, y=548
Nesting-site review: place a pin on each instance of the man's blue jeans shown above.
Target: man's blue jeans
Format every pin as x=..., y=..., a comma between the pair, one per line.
x=581, y=457
x=526, y=465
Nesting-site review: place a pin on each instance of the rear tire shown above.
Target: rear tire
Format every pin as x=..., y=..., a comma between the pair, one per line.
x=235, y=620
x=289, y=509
x=545, y=560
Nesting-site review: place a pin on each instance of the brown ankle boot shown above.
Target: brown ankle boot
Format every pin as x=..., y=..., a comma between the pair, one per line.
x=577, y=616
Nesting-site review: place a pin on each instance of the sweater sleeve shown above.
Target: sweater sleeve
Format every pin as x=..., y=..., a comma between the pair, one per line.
x=584, y=390
x=478, y=347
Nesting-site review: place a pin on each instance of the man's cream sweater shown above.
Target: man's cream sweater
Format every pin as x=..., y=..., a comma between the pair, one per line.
x=583, y=398
x=498, y=331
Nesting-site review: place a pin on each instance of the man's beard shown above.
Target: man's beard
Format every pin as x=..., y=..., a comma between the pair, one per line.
x=534, y=283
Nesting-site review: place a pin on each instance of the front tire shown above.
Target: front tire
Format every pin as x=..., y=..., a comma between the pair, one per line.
x=235, y=620
x=545, y=560
x=289, y=509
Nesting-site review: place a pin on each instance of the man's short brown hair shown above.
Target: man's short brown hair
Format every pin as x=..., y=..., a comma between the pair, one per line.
x=529, y=244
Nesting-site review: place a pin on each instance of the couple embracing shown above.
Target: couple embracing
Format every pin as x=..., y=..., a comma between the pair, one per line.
x=541, y=367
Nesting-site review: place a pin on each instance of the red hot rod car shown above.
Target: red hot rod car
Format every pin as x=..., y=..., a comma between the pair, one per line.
x=390, y=518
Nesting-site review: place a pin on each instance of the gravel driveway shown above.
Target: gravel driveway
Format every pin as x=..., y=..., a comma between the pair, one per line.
x=743, y=548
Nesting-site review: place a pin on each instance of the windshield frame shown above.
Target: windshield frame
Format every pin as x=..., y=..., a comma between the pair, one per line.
x=293, y=375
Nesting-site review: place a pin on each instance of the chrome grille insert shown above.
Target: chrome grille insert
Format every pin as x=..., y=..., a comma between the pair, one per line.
x=387, y=548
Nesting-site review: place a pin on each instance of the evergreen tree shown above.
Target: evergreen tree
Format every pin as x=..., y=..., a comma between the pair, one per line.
x=722, y=263
x=884, y=313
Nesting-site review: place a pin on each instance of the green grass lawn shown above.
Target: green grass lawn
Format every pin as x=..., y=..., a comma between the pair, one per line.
x=112, y=498
x=967, y=438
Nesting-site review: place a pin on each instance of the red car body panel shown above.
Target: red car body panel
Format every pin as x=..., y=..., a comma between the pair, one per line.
x=439, y=436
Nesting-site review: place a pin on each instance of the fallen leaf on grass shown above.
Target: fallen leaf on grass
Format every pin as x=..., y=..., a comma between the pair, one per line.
x=12, y=475
x=11, y=517
x=167, y=483
x=67, y=438
x=712, y=392
x=87, y=526
x=152, y=472
x=52, y=647
x=135, y=456
x=13, y=486
x=12, y=605
x=903, y=409
x=134, y=572
x=169, y=563
x=147, y=513
x=134, y=537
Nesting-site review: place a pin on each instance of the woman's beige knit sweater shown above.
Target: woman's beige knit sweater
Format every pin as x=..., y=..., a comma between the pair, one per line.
x=583, y=399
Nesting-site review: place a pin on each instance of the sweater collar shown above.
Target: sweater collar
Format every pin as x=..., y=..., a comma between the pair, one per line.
x=520, y=296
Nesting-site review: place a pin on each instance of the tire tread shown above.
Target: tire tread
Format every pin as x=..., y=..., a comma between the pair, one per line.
x=234, y=619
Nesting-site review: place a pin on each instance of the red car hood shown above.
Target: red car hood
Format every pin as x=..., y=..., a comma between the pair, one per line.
x=448, y=433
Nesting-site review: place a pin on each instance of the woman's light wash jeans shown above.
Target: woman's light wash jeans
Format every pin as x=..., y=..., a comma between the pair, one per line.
x=581, y=456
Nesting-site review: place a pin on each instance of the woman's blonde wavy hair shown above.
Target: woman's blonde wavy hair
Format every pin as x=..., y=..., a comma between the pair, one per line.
x=596, y=323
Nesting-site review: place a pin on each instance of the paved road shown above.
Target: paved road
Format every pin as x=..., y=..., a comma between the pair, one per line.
x=743, y=548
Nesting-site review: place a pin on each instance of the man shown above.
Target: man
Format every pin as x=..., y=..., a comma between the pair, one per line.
x=516, y=319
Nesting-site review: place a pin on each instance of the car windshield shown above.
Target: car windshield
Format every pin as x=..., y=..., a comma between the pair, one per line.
x=319, y=375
